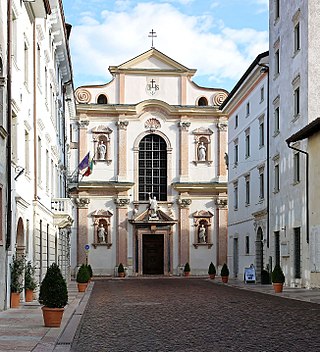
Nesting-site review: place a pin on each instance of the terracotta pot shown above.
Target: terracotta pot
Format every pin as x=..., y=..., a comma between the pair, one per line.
x=121, y=274
x=29, y=295
x=52, y=317
x=225, y=279
x=278, y=287
x=186, y=273
x=15, y=300
x=212, y=276
x=82, y=286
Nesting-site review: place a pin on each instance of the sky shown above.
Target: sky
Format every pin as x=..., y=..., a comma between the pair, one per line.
x=218, y=38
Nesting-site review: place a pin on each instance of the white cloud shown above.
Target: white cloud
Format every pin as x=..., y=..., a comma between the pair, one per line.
x=119, y=36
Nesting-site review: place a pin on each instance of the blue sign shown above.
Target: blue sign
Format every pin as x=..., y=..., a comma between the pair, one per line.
x=87, y=247
x=249, y=274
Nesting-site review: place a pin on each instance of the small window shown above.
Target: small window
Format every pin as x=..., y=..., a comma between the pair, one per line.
x=247, y=245
x=276, y=178
x=236, y=121
x=236, y=154
x=261, y=134
x=235, y=193
x=102, y=99
x=248, y=109
x=203, y=101
x=261, y=94
x=296, y=167
x=247, y=143
x=297, y=37
x=276, y=9
x=261, y=185
x=248, y=190
x=277, y=62
x=296, y=102
x=277, y=120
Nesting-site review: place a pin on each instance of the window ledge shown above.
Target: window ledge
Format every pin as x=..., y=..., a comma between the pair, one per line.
x=95, y=245
x=295, y=117
x=208, y=162
x=276, y=133
x=209, y=244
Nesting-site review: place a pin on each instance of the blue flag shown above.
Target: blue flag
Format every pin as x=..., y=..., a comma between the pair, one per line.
x=85, y=162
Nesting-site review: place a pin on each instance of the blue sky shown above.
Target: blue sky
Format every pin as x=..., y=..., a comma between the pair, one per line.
x=219, y=38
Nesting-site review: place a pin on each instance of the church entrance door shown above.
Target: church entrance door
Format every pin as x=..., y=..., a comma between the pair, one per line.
x=153, y=254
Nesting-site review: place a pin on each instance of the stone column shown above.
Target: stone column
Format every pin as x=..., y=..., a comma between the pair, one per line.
x=82, y=238
x=222, y=148
x=184, y=230
x=184, y=150
x=122, y=150
x=221, y=225
x=183, y=90
x=122, y=230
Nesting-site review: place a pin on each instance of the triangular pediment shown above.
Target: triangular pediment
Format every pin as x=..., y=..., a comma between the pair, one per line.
x=145, y=218
x=152, y=60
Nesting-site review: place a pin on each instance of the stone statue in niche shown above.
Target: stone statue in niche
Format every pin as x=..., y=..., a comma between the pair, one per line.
x=202, y=152
x=202, y=234
x=153, y=207
x=101, y=149
x=102, y=234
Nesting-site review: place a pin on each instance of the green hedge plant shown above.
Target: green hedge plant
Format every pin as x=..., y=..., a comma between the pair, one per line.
x=278, y=275
x=83, y=274
x=29, y=280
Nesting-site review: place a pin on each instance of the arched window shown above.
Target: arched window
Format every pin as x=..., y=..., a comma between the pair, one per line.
x=203, y=101
x=153, y=168
x=102, y=99
x=1, y=67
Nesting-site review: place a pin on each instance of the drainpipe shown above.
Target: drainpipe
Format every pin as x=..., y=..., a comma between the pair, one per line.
x=307, y=186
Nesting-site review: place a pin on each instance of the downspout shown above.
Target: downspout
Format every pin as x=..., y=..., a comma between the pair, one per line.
x=35, y=139
x=307, y=186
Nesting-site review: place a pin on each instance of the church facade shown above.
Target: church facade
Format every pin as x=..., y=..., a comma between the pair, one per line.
x=150, y=184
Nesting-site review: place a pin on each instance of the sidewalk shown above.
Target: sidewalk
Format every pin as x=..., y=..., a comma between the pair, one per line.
x=302, y=294
x=22, y=329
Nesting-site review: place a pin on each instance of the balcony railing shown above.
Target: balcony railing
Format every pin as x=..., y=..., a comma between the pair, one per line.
x=62, y=209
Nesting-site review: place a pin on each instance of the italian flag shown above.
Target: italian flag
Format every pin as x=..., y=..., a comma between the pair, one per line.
x=89, y=169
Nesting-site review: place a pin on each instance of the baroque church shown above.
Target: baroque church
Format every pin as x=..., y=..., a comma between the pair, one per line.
x=150, y=186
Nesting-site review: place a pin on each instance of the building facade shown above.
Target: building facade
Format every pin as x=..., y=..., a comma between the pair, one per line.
x=40, y=106
x=247, y=111
x=294, y=102
x=151, y=193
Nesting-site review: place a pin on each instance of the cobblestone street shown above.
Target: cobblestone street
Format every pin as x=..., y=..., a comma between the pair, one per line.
x=187, y=314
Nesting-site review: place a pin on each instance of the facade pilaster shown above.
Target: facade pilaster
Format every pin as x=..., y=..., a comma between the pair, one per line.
x=222, y=144
x=83, y=146
x=184, y=230
x=122, y=149
x=184, y=151
x=122, y=230
x=82, y=238
x=221, y=230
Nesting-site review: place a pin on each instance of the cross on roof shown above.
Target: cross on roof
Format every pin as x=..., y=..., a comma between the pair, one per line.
x=152, y=35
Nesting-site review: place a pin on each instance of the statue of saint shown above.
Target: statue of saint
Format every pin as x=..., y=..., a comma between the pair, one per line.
x=102, y=234
x=153, y=206
x=202, y=234
x=101, y=149
x=202, y=152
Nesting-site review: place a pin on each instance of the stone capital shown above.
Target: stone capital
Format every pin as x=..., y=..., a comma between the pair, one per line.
x=221, y=203
x=184, y=125
x=122, y=125
x=83, y=123
x=121, y=202
x=184, y=202
x=222, y=126
x=82, y=202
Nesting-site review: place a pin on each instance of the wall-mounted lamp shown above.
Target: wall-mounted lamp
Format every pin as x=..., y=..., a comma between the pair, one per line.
x=19, y=170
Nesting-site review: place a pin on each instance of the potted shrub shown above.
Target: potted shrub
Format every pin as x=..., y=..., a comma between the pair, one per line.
x=83, y=276
x=16, y=286
x=225, y=273
x=212, y=271
x=54, y=296
x=30, y=283
x=121, y=272
x=90, y=271
x=278, y=279
x=186, y=269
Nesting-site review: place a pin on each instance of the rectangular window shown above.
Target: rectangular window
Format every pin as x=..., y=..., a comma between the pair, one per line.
x=296, y=167
x=236, y=121
x=296, y=101
x=248, y=109
x=26, y=64
x=247, y=245
x=39, y=161
x=297, y=37
x=27, y=152
x=52, y=178
x=1, y=214
x=261, y=184
x=235, y=193
x=236, y=154
x=276, y=9
x=277, y=120
x=47, y=170
x=261, y=94
x=261, y=134
x=277, y=247
x=277, y=62
x=14, y=35
x=38, y=65
x=297, y=253
x=247, y=142
x=276, y=178
x=48, y=246
x=247, y=191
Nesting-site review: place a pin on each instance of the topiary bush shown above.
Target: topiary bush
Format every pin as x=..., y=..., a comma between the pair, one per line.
x=265, y=277
x=212, y=269
x=278, y=275
x=83, y=275
x=29, y=280
x=16, y=269
x=225, y=270
x=186, y=268
x=90, y=270
x=53, y=288
x=120, y=268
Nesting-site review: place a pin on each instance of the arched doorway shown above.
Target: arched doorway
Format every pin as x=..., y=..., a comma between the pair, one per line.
x=20, y=243
x=259, y=254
